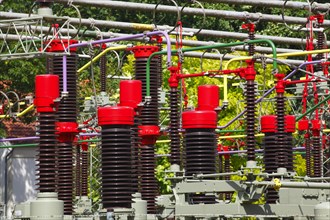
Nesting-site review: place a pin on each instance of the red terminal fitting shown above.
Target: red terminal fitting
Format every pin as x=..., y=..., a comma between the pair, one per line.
x=268, y=124
x=144, y=51
x=290, y=123
x=84, y=145
x=199, y=119
x=46, y=91
x=249, y=72
x=208, y=97
x=249, y=26
x=130, y=93
x=225, y=149
x=174, y=77
x=59, y=45
x=66, y=131
x=149, y=134
x=303, y=125
x=280, y=85
x=316, y=125
x=115, y=115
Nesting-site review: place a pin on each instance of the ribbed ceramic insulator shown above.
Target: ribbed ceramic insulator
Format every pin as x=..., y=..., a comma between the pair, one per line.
x=270, y=152
x=317, y=156
x=282, y=151
x=78, y=171
x=84, y=173
x=136, y=143
x=200, y=157
x=149, y=188
x=308, y=156
x=250, y=119
x=320, y=46
x=67, y=112
x=160, y=67
x=116, y=166
x=150, y=111
x=289, y=141
x=103, y=70
x=47, y=174
x=251, y=46
x=174, y=127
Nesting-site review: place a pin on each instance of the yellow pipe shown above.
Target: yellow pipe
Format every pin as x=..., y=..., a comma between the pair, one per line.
x=163, y=141
x=100, y=55
x=279, y=55
x=21, y=113
x=225, y=89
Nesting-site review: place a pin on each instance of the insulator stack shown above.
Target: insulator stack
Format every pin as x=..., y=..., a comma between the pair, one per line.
x=200, y=141
x=78, y=171
x=47, y=153
x=303, y=126
x=149, y=130
x=174, y=126
x=150, y=112
x=290, y=128
x=66, y=125
x=149, y=187
x=131, y=95
x=317, y=156
x=320, y=46
x=308, y=156
x=160, y=66
x=282, y=154
x=136, y=157
x=116, y=142
x=251, y=46
x=317, y=149
x=268, y=127
x=103, y=70
x=250, y=118
x=84, y=173
x=227, y=170
x=46, y=91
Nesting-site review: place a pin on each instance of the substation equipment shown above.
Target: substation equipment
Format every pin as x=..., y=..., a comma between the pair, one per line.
x=202, y=184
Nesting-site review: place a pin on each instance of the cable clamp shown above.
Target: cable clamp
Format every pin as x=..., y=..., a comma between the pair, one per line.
x=277, y=184
x=70, y=2
x=92, y=20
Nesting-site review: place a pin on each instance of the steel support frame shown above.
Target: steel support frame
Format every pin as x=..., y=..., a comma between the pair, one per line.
x=149, y=27
x=192, y=11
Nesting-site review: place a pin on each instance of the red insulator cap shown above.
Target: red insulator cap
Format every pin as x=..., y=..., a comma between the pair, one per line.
x=130, y=93
x=199, y=119
x=66, y=131
x=59, y=45
x=115, y=115
x=268, y=123
x=208, y=97
x=149, y=134
x=46, y=91
x=290, y=123
x=316, y=125
x=144, y=51
x=303, y=125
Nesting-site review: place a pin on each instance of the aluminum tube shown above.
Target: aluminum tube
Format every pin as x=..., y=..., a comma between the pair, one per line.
x=143, y=27
x=215, y=56
x=192, y=11
x=173, y=41
x=274, y=3
x=283, y=184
